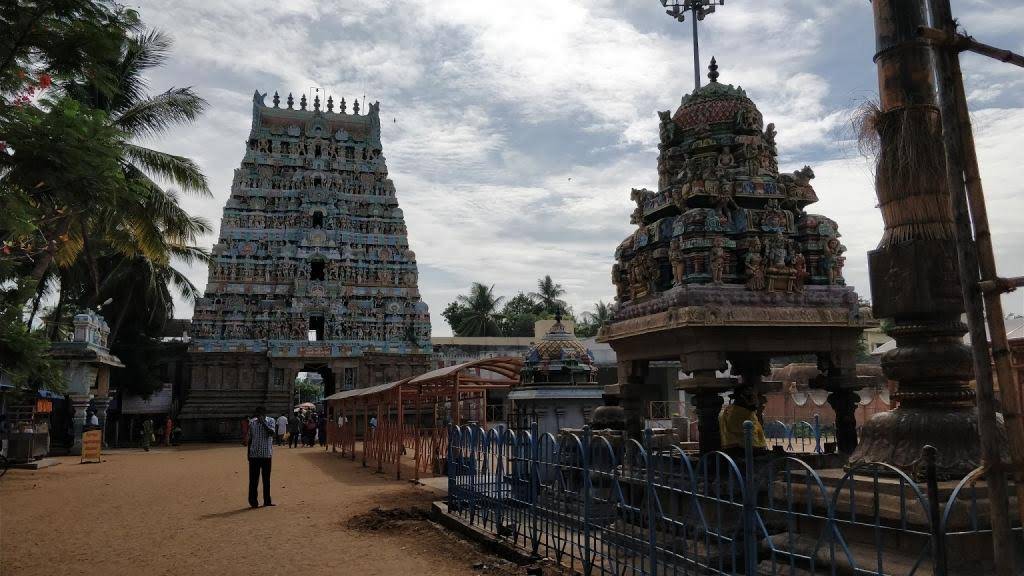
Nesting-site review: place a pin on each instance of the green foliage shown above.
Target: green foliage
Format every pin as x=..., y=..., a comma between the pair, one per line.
x=519, y=315
x=593, y=321
x=65, y=39
x=308, y=390
x=548, y=295
x=479, y=316
x=23, y=351
x=90, y=216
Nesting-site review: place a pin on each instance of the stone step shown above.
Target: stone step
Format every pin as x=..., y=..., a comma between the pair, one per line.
x=857, y=558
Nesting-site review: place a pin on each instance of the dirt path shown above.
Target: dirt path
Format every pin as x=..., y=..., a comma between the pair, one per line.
x=183, y=511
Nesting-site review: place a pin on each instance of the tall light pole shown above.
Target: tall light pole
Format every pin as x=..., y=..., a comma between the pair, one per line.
x=698, y=9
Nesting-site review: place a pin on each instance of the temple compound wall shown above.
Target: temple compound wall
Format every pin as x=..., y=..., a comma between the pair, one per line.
x=312, y=270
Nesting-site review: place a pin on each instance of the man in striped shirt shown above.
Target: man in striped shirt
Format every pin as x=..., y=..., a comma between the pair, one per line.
x=261, y=449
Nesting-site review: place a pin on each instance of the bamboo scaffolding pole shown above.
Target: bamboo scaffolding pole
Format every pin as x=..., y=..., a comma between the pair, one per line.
x=964, y=43
x=977, y=263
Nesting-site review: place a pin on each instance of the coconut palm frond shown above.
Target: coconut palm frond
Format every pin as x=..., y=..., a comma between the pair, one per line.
x=155, y=115
x=180, y=171
x=186, y=289
x=190, y=255
x=140, y=53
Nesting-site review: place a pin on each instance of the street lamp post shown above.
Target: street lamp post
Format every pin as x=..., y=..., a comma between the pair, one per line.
x=698, y=9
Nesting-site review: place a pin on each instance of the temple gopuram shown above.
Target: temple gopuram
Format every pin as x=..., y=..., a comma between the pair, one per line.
x=727, y=269
x=312, y=270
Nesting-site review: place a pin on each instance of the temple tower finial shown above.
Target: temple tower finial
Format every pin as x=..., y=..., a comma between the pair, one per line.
x=713, y=70
x=277, y=100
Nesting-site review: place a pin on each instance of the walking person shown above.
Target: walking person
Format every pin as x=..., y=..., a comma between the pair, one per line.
x=168, y=429
x=308, y=431
x=293, y=430
x=260, y=451
x=282, y=428
x=245, y=430
x=321, y=430
x=147, y=433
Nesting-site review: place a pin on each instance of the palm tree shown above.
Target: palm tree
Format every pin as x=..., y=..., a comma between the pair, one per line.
x=151, y=223
x=547, y=295
x=601, y=315
x=480, y=316
x=123, y=209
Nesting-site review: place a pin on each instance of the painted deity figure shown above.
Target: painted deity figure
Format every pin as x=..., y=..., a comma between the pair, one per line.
x=755, y=271
x=769, y=137
x=775, y=251
x=667, y=128
x=675, y=256
x=834, y=260
x=755, y=265
x=725, y=160
x=717, y=257
x=800, y=266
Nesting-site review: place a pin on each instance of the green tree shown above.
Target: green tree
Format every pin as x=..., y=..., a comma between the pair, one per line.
x=95, y=218
x=548, y=295
x=593, y=321
x=454, y=314
x=49, y=147
x=519, y=315
x=59, y=38
x=480, y=316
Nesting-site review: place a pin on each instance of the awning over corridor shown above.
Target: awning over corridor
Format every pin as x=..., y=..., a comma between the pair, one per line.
x=413, y=414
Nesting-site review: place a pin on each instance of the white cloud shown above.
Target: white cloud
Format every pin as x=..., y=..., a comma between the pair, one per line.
x=514, y=131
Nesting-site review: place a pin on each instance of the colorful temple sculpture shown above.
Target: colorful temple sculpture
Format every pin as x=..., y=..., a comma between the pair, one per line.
x=727, y=269
x=312, y=270
x=557, y=385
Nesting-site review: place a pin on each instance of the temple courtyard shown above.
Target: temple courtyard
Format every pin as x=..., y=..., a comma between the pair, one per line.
x=183, y=510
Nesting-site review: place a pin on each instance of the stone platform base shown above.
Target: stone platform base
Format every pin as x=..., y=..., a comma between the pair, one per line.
x=35, y=464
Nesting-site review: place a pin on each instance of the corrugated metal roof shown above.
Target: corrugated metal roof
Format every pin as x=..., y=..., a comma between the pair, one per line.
x=365, y=391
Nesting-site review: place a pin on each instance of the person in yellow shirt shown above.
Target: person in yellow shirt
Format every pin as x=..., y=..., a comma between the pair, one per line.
x=730, y=422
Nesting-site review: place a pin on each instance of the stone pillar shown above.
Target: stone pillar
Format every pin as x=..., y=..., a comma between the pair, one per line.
x=708, y=404
x=79, y=403
x=839, y=377
x=844, y=402
x=706, y=388
x=913, y=272
x=752, y=368
x=632, y=374
x=101, y=403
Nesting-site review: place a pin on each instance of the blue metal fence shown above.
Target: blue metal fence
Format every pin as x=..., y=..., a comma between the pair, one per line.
x=612, y=505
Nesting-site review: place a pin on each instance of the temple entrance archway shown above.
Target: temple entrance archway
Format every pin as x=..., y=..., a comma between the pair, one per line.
x=320, y=373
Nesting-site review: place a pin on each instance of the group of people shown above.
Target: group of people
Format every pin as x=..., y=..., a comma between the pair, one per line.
x=308, y=426
x=305, y=426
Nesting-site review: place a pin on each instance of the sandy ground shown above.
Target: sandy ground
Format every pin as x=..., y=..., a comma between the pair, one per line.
x=183, y=511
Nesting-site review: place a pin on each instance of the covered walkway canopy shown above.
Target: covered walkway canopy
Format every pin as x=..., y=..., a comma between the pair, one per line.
x=413, y=414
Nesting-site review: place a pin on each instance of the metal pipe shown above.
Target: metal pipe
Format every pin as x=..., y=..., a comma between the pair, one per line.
x=696, y=52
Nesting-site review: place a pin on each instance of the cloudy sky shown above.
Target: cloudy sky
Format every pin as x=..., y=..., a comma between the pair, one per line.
x=515, y=130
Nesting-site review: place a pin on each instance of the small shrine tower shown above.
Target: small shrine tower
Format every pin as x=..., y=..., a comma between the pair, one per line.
x=557, y=385
x=727, y=269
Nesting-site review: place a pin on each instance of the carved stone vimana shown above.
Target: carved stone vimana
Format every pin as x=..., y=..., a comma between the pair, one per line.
x=312, y=270
x=726, y=269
